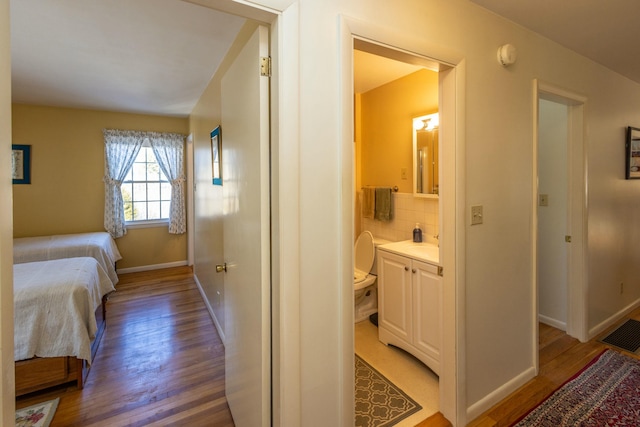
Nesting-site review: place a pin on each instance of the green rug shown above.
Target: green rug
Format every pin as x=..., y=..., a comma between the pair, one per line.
x=39, y=415
x=379, y=402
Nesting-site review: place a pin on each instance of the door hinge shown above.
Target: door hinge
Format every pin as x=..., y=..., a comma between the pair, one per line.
x=440, y=271
x=265, y=66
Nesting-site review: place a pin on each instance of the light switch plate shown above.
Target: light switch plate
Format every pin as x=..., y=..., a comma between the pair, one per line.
x=476, y=215
x=543, y=199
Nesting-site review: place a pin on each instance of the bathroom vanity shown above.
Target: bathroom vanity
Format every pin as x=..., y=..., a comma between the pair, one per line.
x=410, y=299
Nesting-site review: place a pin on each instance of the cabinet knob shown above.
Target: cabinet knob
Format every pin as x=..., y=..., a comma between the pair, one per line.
x=413, y=270
x=406, y=268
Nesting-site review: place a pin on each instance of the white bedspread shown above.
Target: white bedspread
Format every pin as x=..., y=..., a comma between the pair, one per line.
x=99, y=245
x=55, y=303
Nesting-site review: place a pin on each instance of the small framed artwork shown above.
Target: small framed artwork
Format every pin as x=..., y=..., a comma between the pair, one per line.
x=21, y=164
x=216, y=156
x=632, y=153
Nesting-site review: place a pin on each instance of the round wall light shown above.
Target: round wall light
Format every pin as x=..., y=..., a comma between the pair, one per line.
x=507, y=55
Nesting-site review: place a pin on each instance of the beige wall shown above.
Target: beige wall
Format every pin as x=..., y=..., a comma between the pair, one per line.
x=387, y=128
x=66, y=194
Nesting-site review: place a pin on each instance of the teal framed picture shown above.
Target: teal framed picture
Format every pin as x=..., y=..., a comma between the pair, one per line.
x=21, y=164
x=216, y=156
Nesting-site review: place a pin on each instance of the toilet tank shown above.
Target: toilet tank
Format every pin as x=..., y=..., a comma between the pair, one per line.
x=377, y=241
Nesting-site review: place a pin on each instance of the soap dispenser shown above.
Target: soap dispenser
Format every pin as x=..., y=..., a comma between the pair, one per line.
x=417, y=234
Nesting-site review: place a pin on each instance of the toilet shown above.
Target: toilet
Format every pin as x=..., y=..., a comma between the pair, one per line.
x=364, y=276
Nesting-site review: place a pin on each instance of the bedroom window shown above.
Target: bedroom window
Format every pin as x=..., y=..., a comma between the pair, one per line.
x=146, y=191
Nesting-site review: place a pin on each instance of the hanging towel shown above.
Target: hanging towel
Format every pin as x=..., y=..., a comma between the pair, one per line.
x=384, y=204
x=368, y=202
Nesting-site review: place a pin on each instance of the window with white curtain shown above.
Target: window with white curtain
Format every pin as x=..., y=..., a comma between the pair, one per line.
x=146, y=191
x=144, y=180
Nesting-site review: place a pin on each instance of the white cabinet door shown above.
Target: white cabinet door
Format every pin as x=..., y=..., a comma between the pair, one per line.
x=427, y=313
x=394, y=295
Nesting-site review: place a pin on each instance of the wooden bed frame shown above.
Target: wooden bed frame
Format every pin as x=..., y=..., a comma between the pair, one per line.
x=39, y=373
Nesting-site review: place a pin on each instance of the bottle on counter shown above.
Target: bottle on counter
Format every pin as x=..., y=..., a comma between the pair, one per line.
x=417, y=234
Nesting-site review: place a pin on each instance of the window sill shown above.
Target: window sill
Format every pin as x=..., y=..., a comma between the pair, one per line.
x=147, y=224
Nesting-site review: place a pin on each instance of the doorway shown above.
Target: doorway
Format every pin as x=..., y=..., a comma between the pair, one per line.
x=560, y=211
x=451, y=219
x=388, y=96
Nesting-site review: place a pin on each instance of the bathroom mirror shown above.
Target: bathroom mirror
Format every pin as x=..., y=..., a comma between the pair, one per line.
x=425, y=156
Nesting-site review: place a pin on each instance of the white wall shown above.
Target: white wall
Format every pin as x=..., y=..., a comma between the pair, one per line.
x=498, y=130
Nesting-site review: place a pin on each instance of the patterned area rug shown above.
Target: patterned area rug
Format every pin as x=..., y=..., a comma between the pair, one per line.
x=378, y=401
x=604, y=393
x=39, y=415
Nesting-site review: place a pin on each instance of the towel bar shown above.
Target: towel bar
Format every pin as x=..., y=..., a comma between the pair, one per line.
x=394, y=188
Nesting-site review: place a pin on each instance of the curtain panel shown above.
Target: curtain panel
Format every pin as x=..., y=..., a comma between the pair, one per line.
x=169, y=151
x=121, y=148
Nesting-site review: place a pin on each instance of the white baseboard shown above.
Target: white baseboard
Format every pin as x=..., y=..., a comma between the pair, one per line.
x=210, y=309
x=481, y=406
x=593, y=332
x=152, y=267
x=552, y=322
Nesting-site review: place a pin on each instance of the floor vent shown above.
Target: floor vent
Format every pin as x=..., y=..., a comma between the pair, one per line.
x=626, y=336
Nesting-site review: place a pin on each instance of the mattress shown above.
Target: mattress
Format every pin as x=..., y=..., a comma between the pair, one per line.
x=98, y=245
x=54, y=307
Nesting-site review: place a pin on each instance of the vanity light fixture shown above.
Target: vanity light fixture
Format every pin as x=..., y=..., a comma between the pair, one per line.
x=429, y=122
x=507, y=54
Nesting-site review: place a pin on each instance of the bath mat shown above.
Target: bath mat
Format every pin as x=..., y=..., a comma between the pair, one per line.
x=626, y=336
x=604, y=393
x=39, y=415
x=379, y=402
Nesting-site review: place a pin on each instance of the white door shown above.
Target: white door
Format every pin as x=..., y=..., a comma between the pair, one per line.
x=245, y=182
x=553, y=192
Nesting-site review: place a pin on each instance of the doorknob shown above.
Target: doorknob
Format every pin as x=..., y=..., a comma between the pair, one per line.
x=221, y=267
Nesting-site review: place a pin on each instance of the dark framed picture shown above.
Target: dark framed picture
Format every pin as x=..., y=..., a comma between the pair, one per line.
x=632, y=153
x=216, y=156
x=21, y=164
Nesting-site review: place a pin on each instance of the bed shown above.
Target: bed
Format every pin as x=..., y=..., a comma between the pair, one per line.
x=60, y=315
x=99, y=245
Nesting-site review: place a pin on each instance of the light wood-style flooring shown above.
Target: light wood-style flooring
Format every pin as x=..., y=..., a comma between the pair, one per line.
x=561, y=357
x=160, y=363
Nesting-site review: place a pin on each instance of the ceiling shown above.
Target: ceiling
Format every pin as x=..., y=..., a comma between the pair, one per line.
x=606, y=32
x=142, y=56
x=157, y=56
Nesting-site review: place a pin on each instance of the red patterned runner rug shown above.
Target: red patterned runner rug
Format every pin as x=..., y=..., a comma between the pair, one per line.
x=605, y=393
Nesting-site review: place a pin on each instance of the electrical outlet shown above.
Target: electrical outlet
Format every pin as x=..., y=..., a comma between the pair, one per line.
x=476, y=215
x=403, y=173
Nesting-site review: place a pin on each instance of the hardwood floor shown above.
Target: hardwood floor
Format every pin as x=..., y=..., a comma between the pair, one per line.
x=161, y=361
x=561, y=357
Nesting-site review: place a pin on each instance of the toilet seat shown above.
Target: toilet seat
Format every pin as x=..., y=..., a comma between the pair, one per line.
x=365, y=252
x=362, y=280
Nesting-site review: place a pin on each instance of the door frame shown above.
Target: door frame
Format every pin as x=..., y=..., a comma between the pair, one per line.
x=451, y=81
x=577, y=210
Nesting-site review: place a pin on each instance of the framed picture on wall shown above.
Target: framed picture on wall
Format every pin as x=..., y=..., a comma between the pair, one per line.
x=632, y=153
x=21, y=164
x=216, y=156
